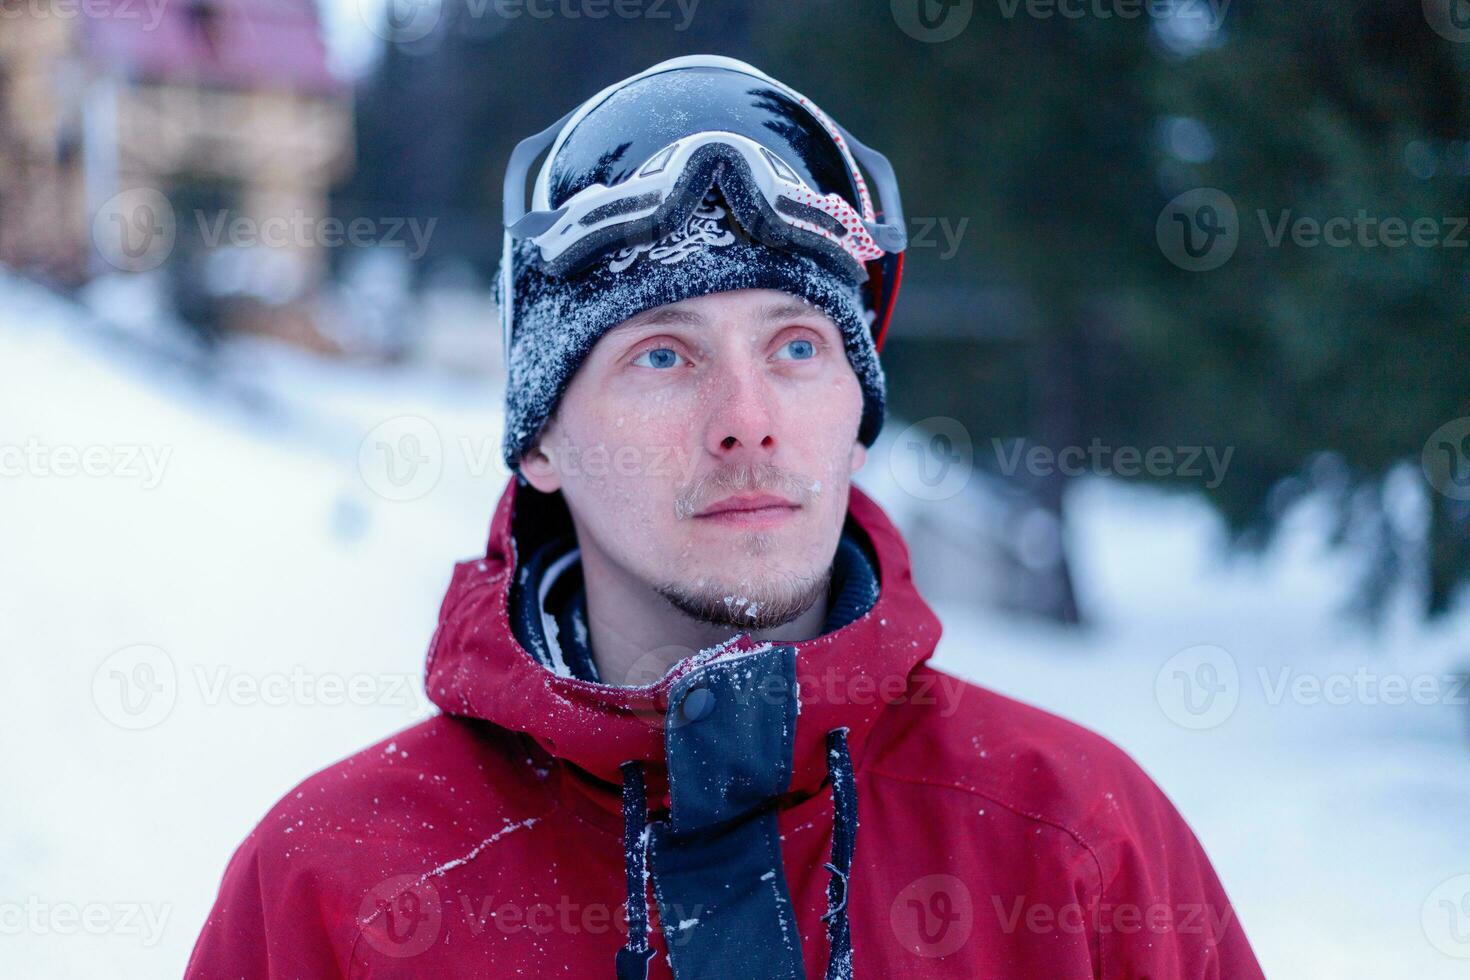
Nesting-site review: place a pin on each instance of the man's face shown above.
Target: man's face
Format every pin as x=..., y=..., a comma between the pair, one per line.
x=705, y=448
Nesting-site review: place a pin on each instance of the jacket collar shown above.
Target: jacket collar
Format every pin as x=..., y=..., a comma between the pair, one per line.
x=477, y=667
x=548, y=612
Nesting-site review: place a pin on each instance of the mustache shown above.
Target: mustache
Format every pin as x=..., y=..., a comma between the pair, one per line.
x=743, y=478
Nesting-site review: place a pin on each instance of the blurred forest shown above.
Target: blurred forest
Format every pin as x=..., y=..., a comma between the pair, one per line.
x=1038, y=156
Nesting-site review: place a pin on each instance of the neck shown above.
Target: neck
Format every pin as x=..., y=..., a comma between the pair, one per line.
x=637, y=635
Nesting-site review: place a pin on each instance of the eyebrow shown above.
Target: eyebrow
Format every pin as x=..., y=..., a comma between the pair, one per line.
x=788, y=310
x=675, y=314
x=663, y=314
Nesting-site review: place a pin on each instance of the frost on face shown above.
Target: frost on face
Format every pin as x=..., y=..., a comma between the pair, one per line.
x=740, y=603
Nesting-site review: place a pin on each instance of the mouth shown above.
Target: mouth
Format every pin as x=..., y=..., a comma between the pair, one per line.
x=749, y=510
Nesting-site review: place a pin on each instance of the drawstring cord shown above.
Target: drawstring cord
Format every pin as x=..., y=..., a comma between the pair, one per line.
x=634, y=957
x=844, y=836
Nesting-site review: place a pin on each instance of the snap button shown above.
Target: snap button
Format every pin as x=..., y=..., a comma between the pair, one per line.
x=697, y=704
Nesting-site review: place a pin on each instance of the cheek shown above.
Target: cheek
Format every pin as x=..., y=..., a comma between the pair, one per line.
x=663, y=429
x=632, y=453
x=822, y=426
x=825, y=419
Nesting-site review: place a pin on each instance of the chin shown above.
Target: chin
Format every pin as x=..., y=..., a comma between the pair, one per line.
x=770, y=575
x=765, y=599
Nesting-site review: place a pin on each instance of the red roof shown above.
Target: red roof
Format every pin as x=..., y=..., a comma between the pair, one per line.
x=245, y=44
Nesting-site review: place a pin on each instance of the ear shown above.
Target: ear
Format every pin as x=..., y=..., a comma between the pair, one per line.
x=539, y=469
x=859, y=457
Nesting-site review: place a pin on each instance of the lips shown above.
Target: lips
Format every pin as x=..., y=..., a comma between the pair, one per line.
x=747, y=502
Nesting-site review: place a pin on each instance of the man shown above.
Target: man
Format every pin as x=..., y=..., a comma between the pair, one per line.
x=688, y=729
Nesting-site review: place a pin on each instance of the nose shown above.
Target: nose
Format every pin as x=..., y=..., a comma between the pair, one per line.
x=741, y=426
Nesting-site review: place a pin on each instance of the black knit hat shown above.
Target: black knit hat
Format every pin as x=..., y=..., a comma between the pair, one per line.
x=559, y=320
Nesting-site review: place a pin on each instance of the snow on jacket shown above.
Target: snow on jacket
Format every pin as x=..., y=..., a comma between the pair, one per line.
x=832, y=807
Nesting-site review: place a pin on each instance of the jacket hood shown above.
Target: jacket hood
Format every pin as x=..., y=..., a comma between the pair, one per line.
x=844, y=679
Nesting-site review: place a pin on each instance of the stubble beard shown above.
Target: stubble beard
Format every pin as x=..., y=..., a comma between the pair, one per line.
x=760, y=605
x=750, y=603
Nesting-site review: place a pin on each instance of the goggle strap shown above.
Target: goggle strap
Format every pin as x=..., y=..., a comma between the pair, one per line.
x=513, y=196
x=889, y=234
x=512, y=210
x=507, y=297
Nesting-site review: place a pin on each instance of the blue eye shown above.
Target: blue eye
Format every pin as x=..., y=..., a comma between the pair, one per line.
x=657, y=357
x=800, y=350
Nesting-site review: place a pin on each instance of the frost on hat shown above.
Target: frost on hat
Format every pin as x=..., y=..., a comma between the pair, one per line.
x=559, y=320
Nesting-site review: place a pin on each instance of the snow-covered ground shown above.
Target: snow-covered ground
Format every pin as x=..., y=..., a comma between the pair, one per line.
x=235, y=585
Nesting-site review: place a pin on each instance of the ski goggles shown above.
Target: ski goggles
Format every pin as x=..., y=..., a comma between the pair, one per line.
x=634, y=161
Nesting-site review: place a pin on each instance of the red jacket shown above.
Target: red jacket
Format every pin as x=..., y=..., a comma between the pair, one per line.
x=991, y=839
